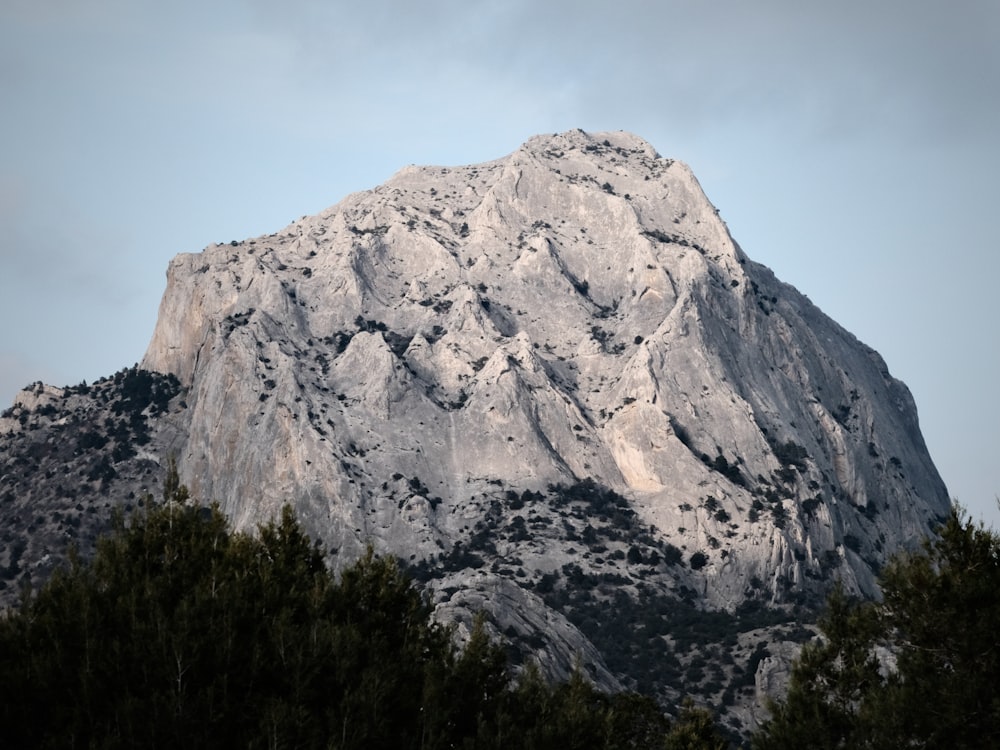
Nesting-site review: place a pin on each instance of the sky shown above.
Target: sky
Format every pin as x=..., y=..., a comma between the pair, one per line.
x=852, y=147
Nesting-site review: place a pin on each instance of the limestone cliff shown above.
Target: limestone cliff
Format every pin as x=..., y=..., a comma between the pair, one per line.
x=548, y=374
x=576, y=309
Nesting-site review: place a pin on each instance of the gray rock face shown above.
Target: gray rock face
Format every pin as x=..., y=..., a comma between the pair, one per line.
x=576, y=309
x=433, y=367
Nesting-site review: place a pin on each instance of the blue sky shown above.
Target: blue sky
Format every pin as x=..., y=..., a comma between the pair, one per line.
x=852, y=147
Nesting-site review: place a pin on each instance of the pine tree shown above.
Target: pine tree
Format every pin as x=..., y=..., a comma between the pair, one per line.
x=694, y=730
x=182, y=633
x=917, y=669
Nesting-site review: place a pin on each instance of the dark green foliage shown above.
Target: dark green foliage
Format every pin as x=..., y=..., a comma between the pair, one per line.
x=13, y=566
x=181, y=633
x=593, y=501
x=371, y=326
x=695, y=730
x=918, y=669
x=91, y=440
x=671, y=554
x=779, y=515
x=642, y=636
x=809, y=505
x=829, y=681
x=603, y=338
x=730, y=471
x=656, y=234
x=575, y=716
x=790, y=454
x=397, y=342
x=339, y=340
x=141, y=389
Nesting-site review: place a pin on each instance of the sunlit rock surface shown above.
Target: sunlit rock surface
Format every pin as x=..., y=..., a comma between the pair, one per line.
x=418, y=367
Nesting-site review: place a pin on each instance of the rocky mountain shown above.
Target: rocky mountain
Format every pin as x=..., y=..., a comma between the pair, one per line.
x=552, y=384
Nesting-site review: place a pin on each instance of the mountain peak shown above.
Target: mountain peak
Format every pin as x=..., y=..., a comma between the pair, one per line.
x=619, y=142
x=552, y=372
x=576, y=309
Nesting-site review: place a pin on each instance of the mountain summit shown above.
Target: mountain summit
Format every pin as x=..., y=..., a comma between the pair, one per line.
x=575, y=310
x=547, y=374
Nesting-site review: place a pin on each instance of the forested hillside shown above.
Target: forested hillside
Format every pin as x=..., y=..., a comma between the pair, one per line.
x=181, y=633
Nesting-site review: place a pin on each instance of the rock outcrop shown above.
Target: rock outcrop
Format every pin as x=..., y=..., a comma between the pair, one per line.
x=577, y=309
x=551, y=373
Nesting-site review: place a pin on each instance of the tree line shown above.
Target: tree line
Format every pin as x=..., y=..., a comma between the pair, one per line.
x=919, y=668
x=181, y=633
